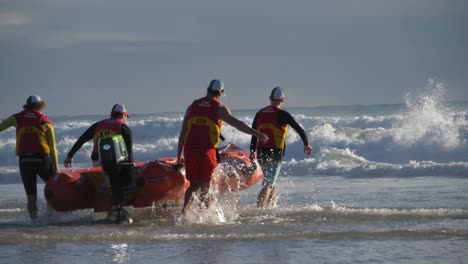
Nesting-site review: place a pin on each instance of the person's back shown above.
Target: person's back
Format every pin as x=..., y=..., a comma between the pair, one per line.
x=203, y=124
x=268, y=123
x=107, y=127
x=199, y=139
x=35, y=147
x=118, y=172
x=114, y=125
x=274, y=122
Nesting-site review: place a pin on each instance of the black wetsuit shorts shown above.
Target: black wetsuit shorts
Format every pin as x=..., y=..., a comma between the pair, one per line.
x=32, y=165
x=119, y=176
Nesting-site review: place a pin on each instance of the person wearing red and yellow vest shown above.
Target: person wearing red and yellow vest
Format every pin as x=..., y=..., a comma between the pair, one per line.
x=199, y=139
x=273, y=121
x=35, y=147
x=115, y=125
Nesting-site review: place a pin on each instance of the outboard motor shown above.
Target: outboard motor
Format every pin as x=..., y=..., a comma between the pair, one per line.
x=112, y=150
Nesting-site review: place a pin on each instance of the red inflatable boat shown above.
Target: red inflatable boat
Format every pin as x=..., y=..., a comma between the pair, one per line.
x=150, y=182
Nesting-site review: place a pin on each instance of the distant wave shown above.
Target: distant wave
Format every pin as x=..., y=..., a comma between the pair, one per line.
x=344, y=162
x=423, y=136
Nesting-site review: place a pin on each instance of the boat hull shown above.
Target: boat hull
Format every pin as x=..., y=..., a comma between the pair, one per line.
x=149, y=182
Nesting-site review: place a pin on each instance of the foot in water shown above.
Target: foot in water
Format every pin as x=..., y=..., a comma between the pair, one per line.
x=118, y=215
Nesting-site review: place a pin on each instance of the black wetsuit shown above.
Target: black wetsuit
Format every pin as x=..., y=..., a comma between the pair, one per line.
x=31, y=165
x=276, y=154
x=118, y=174
x=88, y=135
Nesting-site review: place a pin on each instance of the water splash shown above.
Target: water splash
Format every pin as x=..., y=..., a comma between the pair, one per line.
x=224, y=199
x=347, y=140
x=428, y=121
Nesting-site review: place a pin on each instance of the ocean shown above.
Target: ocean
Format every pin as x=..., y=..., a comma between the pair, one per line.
x=385, y=184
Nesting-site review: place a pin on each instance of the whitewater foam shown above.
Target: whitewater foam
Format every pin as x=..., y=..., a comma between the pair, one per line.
x=425, y=135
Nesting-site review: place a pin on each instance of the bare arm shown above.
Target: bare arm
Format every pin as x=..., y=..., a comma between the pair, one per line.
x=253, y=141
x=183, y=131
x=225, y=114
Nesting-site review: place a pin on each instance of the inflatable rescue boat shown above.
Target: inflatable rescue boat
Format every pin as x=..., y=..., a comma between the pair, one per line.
x=148, y=182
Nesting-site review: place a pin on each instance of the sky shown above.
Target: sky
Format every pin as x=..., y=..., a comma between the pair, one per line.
x=157, y=56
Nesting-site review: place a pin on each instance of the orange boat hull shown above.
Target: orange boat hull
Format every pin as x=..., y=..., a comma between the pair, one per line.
x=155, y=181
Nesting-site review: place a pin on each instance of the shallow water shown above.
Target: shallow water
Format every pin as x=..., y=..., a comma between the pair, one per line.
x=318, y=219
x=385, y=184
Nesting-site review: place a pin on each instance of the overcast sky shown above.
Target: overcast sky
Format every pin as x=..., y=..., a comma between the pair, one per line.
x=157, y=56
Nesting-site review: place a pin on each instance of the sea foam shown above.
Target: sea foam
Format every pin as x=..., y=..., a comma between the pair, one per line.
x=426, y=135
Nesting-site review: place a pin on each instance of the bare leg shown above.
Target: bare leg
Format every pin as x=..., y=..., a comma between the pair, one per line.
x=263, y=197
x=272, y=198
x=205, y=197
x=188, y=199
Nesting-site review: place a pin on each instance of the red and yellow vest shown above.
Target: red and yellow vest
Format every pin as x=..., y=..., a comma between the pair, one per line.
x=203, y=124
x=267, y=122
x=107, y=127
x=30, y=135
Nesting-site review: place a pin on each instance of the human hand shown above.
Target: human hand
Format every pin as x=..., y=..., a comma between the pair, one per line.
x=67, y=162
x=262, y=137
x=308, y=150
x=181, y=161
x=180, y=165
x=55, y=172
x=250, y=169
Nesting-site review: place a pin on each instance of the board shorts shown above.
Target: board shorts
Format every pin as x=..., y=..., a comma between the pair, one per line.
x=33, y=165
x=270, y=161
x=200, y=164
x=271, y=173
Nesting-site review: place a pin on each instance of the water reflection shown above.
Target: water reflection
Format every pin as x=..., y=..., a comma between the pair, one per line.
x=120, y=252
